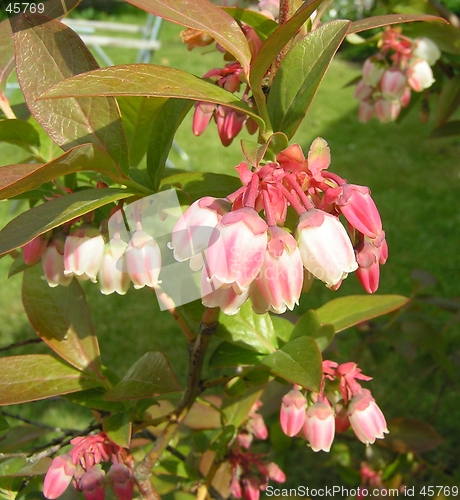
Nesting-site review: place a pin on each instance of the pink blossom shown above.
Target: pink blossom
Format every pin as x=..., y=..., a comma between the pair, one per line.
x=425, y=48
x=387, y=111
x=53, y=262
x=112, y=273
x=393, y=84
x=366, y=418
x=120, y=477
x=250, y=487
x=292, y=414
x=319, y=426
x=229, y=123
x=373, y=69
x=325, y=247
x=366, y=111
x=363, y=91
x=214, y=294
x=143, y=260
x=83, y=252
x=420, y=75
x=281, y=275
x=92, y=483
x=33, y=251
x=58, y=477
x=204, y=111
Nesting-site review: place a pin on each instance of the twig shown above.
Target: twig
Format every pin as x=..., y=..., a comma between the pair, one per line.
x=21, y=344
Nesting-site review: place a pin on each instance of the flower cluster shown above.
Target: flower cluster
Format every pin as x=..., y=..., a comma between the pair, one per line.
x=402, y=65
x=84, y=253
x=244, y=255
x=82, y=466
x=333, y=409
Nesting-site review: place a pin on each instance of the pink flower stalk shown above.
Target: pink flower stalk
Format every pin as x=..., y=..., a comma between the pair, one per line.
x=292, y=414
x=393, y=84
x=53, y=262
x=32, y=252
x=319, y=426
x=120, y=478
x=92, y=484
x=325, y=247
x=143, y=260
x=349, y=373
x=83, y=252
x=236, y=257
x=192, y=233
x=387, y=111
x=359, y=209
x=113, y=276
x=58, y=477
x=366, y=418
x=281, y=275
x=420, y=75
x=373, y=69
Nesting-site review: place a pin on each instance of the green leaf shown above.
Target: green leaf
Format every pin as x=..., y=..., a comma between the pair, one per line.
x=21, y=437
x=255, y=152
x=299, y=362
x=19, y=467
x=20, y=133
x=146, y=80
x=118, y=428
x=149, y=376
x=300, y=75
x=446, y=130
x=7, y=52
x=62, y=319
x=262, y=25
x=137, y=114
x=39, y=376
x=309, y=324
x=202, y=15
x=448, y=101
x=20, y=178
x=379, y=21
x=94, y=399
x=409, y=435
x=235, y=411
x=227, y=354
x=199, y=184
x=54, y=213
x=348, y=311
x=275, y=43
x=165, y=125
x=249, y=330
x=53, y=51
x=283, y=328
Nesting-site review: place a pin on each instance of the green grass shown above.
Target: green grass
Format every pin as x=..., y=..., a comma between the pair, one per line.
x=415, y=183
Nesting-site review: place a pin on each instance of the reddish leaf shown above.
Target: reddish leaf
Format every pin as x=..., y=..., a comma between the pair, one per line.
x=379, y=21
x=202, y=15
x=39, y=376
x=17, y=179
x=54, y=52
x=146, y=80
x=62, y=319
x=7, y=52
x=410, y=435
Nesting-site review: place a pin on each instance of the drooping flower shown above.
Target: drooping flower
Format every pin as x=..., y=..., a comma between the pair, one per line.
x=53, y=262
x=319, y=426
x=292, y=413
x=143, y=260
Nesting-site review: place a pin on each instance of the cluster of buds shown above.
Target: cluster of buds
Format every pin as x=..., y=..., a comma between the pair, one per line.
x=402, y=65
x=372, y=479
x=254, y=428
x=82, y=466
x=84, y=253
x=243, y=255
x=340, y=403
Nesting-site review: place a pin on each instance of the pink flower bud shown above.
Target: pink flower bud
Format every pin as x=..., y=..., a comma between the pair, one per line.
x=92, y=483
x=393, y=84
x=319, y=426
x=245, y=439
x=257, y=427
x=363, y=91
x=120, y=477
x=143, y=260
x=112, y=273
x=33, y=251
x=83, y=253
x=366, y=111
x=359, y=209
x=275, y=473
x=325, y=247
x=53, y=262
x=235, y=487
x=420, y=75
x=281, y=275
x=342, y=423
x=387, y=111
x=58, y=477
x=250, y=487
x=292, y=414
x=229, y=123
x=366, y=418
x=373, y=70
x=202, y=116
